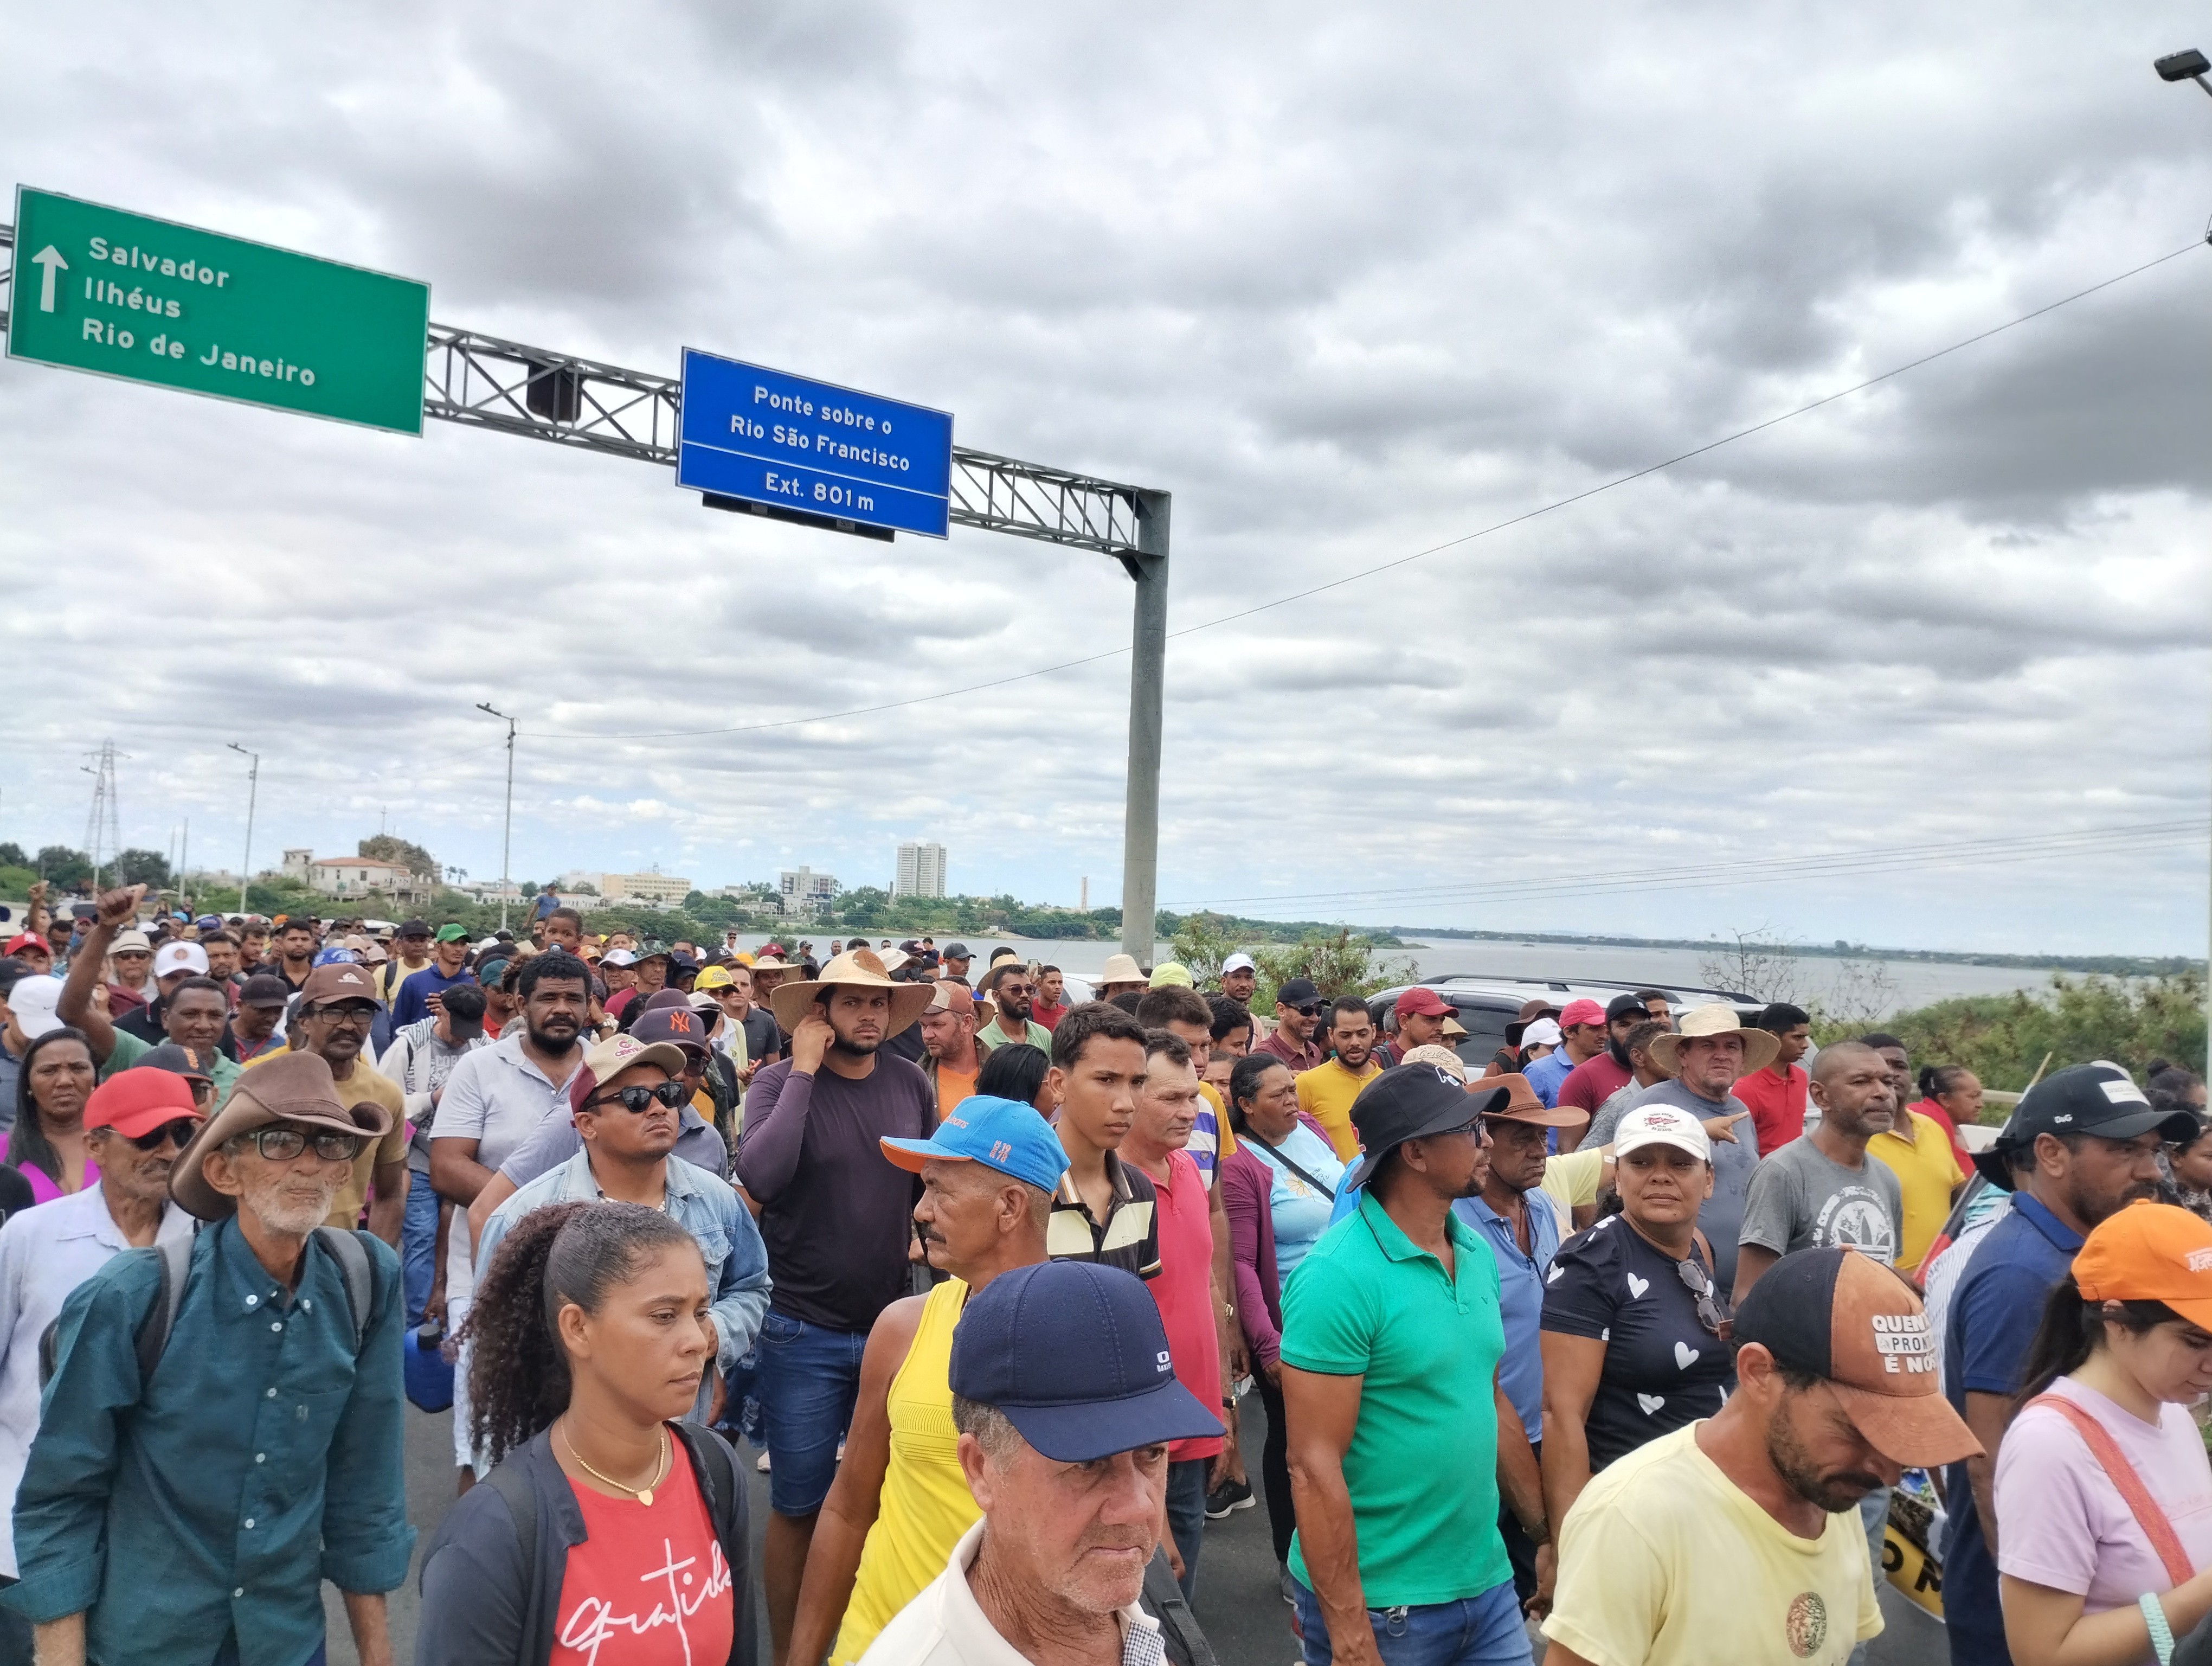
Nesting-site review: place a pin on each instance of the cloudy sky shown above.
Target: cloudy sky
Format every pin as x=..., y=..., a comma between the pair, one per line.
x=1350, y=286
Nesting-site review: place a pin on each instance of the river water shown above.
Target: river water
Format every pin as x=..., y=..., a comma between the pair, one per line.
x=1912, y=983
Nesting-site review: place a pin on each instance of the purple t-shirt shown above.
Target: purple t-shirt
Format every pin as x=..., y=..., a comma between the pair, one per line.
x=835, y=1214
x=2061, y=1524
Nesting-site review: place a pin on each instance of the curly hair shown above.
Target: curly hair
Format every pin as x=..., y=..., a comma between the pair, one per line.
x=554, y=1257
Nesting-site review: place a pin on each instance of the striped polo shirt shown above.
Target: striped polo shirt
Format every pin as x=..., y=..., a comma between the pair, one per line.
x=1129, y=1236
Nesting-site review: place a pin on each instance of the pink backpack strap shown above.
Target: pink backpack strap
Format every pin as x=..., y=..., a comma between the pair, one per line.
x=2122, y=1473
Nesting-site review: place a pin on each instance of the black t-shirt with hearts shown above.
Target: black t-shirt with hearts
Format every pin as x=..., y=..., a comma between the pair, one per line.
x=1662, y=1368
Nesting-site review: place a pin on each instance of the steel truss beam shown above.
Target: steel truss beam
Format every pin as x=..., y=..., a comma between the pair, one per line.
x=514, y=388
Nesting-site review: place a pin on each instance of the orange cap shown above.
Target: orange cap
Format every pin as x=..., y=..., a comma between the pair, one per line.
x=2149, y=1252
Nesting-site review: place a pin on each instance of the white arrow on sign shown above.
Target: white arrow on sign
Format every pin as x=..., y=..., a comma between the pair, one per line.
x=51, y=258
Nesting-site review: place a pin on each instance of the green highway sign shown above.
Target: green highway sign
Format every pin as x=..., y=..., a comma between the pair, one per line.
x=150, y=300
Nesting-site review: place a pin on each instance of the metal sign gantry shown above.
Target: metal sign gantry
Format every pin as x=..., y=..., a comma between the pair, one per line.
x=541, y=394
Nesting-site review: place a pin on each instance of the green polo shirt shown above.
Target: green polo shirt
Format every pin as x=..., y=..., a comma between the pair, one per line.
x=129, y=1049
x=1033, y=1035
x=1422, y=1469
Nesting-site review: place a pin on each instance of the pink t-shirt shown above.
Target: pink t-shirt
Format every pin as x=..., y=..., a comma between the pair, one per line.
x=2061, y=1524
x=1184, y=1291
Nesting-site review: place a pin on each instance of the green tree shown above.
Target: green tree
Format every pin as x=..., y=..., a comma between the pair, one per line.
x=1202, y=943
x=11, y=855
x=61, y=866
x=2004, y=1039
x=150, y=868
x=1341, y=962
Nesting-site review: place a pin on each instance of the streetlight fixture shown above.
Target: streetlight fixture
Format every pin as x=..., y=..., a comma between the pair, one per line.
x=253, y=791
x=506, y=838
x=2192, y=66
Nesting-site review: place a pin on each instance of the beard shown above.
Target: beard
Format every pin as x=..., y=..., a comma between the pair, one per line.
x=285, y=1207
x=554, y=1041
x=1834, y=1494
x=1619, y=1054
x=852, y=1048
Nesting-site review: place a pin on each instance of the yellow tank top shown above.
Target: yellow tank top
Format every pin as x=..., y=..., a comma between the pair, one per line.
x=926, y=1504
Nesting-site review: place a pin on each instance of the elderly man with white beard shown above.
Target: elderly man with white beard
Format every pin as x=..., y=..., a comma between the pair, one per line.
x=227, y=1413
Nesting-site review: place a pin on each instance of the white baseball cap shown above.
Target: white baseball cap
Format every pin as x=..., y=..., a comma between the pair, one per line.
x=1541, y=1032
x=1661, y=1125
x=1239, y=961
x=178, y=956
x=33, y=1000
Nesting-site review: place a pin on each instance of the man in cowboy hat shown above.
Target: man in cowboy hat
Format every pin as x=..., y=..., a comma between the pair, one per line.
x=177, y=1515
x=835, y=1216
x=1706, y=1057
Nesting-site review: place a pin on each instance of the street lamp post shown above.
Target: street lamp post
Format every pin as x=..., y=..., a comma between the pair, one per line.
x=2193, y=66
x=507, y=838
x=253, y=791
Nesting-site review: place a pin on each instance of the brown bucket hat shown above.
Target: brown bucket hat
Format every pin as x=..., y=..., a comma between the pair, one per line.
x=292, y=1087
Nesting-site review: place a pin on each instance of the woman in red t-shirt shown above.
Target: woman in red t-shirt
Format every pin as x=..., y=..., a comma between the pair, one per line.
x=610, y=1534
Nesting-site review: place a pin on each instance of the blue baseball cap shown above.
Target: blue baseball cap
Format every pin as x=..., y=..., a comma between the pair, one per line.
x=1004, y=1135
x=1074, y=1354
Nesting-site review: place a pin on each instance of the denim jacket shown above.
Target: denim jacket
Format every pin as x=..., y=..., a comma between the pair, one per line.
x=704, y=1205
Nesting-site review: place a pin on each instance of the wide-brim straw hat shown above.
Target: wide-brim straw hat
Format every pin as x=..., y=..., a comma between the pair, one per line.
x=292, y=1087
x=1120, y=969
x=1714, y=1018
x=855, y=968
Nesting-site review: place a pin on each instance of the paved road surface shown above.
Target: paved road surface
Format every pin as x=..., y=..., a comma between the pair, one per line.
x=1238, y=1602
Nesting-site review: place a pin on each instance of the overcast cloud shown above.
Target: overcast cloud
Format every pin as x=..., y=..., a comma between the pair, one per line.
x=1349, y=285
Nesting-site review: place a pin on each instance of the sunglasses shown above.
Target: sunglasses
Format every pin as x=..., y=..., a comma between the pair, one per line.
x=181, y=1131
x=1311, y=1011
x=1710, y=1312
x=635, y=1099
x=283, y=1145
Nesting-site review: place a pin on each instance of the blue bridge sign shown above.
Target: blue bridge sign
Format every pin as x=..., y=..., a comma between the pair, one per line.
x=807, y=448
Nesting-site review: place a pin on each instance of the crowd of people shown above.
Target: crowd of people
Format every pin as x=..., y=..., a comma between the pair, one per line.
x=1632, y=1331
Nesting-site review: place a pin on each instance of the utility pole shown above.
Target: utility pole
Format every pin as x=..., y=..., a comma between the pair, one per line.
x=506, y=838
x=1140, y=826
x=184, y=859
x=2192, y=66
x=253, y=791
x=105, y=821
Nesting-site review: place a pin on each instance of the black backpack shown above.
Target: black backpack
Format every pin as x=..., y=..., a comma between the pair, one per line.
x=176, y=1255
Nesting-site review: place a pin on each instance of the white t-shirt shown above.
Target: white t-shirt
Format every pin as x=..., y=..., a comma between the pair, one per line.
x=2061, y=1522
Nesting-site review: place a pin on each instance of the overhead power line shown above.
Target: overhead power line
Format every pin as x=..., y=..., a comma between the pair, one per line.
x=1510, y=521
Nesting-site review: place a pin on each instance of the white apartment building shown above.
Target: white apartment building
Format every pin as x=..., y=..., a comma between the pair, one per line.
x=802, y=891
x=921, y=870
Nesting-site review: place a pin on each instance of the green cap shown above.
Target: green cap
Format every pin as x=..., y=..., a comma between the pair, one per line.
x=455, y=933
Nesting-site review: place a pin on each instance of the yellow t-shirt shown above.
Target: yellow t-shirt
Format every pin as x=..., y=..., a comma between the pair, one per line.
x=366, y=1083
x=1927, y=1174
x=1326, y=1093
x=1665, y=1561
x=1572, y=1179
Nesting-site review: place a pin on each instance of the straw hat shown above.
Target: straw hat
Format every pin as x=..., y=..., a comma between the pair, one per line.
x=1714, y=1018
x=294, y=1087
x=855, y=968
x=1120, y=969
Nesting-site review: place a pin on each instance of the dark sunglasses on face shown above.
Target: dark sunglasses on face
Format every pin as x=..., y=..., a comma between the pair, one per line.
x=1311, y=1010
x=283, y=1145
x=635, y=1099
x=181, y=1131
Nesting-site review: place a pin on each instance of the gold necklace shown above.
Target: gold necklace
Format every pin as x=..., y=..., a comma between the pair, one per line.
x=642, y=1494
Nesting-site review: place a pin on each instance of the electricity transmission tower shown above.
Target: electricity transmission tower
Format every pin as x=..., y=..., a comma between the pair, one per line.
x=103, y=828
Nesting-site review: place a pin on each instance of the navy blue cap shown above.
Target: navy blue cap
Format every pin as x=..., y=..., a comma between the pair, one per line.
x=1074, y=1354
x=1004, y=1135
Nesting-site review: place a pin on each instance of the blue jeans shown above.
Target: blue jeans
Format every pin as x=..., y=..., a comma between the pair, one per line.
x=1187, y=1516
x=810, y=1376
x=418, y=1241
x=1476, y=1631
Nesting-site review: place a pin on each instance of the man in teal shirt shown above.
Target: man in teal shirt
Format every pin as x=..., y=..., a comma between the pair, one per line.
x=1009, y=986
x=1400, y=1438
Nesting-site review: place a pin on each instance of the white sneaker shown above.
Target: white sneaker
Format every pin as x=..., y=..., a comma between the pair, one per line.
x=762, y=1464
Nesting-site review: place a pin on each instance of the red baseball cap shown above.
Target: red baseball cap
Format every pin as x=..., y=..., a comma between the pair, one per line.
x=1584, y=1011
x=1424, y=1001
x=135, y=1101
x=26, y=940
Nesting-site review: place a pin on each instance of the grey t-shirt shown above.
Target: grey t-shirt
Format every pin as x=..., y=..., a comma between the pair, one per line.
x=1721, y=1219
x=1802, y=1199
